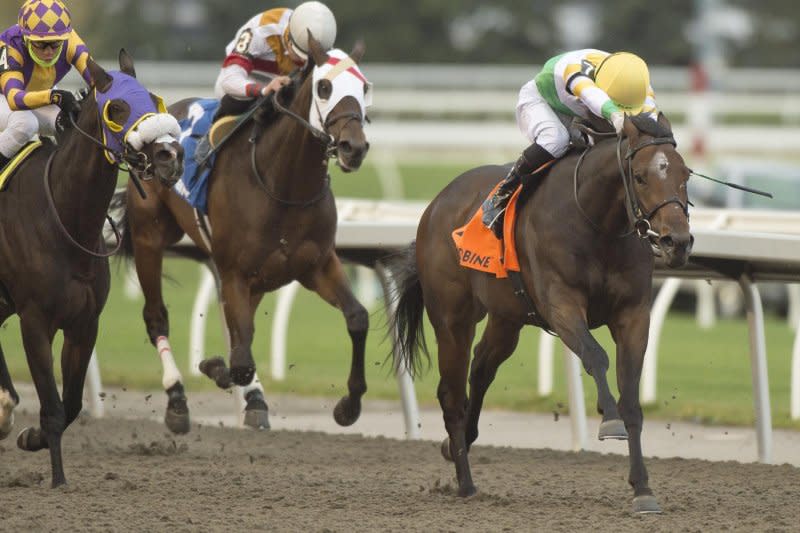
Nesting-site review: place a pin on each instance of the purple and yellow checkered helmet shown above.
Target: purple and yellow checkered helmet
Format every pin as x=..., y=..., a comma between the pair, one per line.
x=45, y=20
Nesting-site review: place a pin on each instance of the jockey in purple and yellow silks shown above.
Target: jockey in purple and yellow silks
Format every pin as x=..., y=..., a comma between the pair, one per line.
x=582, y=83
x=35, y=54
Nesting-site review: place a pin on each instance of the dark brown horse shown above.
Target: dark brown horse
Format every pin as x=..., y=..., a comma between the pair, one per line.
x=583, y=264
x=273, y=220
x=54, y=271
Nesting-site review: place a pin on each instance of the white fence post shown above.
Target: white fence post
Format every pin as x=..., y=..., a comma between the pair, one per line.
x=547, y=344
x=577, y=406
x=280, y=329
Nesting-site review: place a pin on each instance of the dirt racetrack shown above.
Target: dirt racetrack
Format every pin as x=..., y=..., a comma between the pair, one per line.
x=132, y=475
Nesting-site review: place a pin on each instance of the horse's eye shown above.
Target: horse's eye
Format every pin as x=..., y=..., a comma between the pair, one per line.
x=639, y=178
x=324, y=89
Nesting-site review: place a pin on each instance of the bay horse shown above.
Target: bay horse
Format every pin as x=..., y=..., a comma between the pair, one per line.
x=55, y=273
x=583, y=265
x=273, y=220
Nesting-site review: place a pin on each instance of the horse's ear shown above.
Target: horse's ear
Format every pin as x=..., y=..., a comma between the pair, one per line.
x=319, y=55
x=126, y=63
x=358, y=51
x=630, y=129
x=102, y=81
x=663, y=122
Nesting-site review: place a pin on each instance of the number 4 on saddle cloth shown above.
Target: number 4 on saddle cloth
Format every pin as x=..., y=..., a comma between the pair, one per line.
x=196, y=129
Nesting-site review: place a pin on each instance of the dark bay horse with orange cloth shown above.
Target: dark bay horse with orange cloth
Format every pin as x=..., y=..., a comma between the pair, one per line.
x=583, y=263
x=273, y=220
x=54, y=271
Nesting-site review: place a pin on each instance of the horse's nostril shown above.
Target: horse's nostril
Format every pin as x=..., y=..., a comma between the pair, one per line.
x=666, y=242
x=345, y=147
x=165, y=156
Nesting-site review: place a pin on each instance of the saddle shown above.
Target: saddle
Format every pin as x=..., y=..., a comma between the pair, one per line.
x=8, y=171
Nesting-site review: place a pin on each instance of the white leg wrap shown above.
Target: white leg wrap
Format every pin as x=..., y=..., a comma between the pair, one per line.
x=254, y=385
x=6, y=413
x=171, y=373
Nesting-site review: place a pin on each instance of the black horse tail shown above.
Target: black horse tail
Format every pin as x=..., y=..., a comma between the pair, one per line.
x=406, y=323
x=119, y=209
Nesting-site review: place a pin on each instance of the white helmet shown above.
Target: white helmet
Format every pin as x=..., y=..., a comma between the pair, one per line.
x=314, y=17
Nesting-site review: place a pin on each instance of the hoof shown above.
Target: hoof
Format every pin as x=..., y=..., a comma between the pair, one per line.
x=256, y=414
x=347, y=411
x=177, y=415
x=445, y=449
x=31, y=440
x=613, y=429
x=646, y=504
x=216, y=369
x=242, y=375
x=58, y=483
x=466, y=492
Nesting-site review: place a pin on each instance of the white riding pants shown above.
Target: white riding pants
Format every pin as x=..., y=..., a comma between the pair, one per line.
x=539, y=123
x=19, y=127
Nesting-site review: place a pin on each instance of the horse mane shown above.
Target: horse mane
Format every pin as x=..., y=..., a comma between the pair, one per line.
x=647, y=125
x=266, y=114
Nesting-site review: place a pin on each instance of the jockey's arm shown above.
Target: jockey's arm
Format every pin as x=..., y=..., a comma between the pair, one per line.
x=12, y=83
x=235, y=79
x=592, y=96
x=78, y=56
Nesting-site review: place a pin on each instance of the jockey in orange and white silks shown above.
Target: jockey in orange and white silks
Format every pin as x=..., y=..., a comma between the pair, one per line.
x=582, y=83
x=271, y=45
x=35, y=54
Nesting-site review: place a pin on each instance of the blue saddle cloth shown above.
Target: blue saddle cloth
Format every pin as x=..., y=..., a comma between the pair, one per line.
x=193, y=185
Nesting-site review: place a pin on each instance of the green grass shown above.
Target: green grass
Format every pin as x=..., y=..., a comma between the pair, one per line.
x=703, y=375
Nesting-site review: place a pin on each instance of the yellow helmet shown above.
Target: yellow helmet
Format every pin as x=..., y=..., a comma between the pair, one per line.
x=625, y=79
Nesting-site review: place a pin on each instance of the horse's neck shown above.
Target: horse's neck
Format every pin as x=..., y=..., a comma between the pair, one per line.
x=82, y=181
x=601, y=193
x=292, y=159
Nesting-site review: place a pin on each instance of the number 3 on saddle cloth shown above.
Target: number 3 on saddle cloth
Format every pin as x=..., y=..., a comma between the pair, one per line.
x=193, y=185
x=479, y=249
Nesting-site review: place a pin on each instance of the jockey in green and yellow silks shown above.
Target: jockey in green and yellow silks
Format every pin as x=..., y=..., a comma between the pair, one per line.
x=35, y=54
x=583, y=83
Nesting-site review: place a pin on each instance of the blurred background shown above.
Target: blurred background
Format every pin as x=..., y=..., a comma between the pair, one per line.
x=446, y=75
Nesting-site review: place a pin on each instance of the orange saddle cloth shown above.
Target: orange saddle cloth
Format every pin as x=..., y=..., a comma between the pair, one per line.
x=479, y=249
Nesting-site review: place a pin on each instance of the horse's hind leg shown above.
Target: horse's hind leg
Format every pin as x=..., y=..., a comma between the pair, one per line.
x=8, y=398
x=497, y=344
x=38, y=348
x=630, y=335
x=75, y=356
x=332, y=285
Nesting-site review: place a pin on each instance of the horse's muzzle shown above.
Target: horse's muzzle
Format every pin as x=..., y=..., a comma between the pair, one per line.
x=168, y=162
x=676, y=248
x=350, y=154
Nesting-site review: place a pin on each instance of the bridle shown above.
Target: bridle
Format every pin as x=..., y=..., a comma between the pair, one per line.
x=638, y=217
x=136, y=163
x=327, y=140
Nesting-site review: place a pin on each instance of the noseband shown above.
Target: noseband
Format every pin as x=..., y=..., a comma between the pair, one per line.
x=638, y=217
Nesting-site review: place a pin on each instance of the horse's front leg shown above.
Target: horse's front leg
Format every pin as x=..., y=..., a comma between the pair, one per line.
x=568, y=320
x=37, y=340
x=332, y=285
x=630, y=331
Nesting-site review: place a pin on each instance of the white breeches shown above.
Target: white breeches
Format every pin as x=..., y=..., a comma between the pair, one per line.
x=19, y=127
x=539, y=123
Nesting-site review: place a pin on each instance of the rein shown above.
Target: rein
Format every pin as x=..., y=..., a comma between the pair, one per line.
x=328, y=143
x=51, y=203
x=639, y=218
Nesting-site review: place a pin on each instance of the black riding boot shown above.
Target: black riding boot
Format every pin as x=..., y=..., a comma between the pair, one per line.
x=531, y=160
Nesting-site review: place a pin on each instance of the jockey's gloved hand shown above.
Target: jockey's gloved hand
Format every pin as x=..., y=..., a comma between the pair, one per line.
x=66, y=101
x=617, y=120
